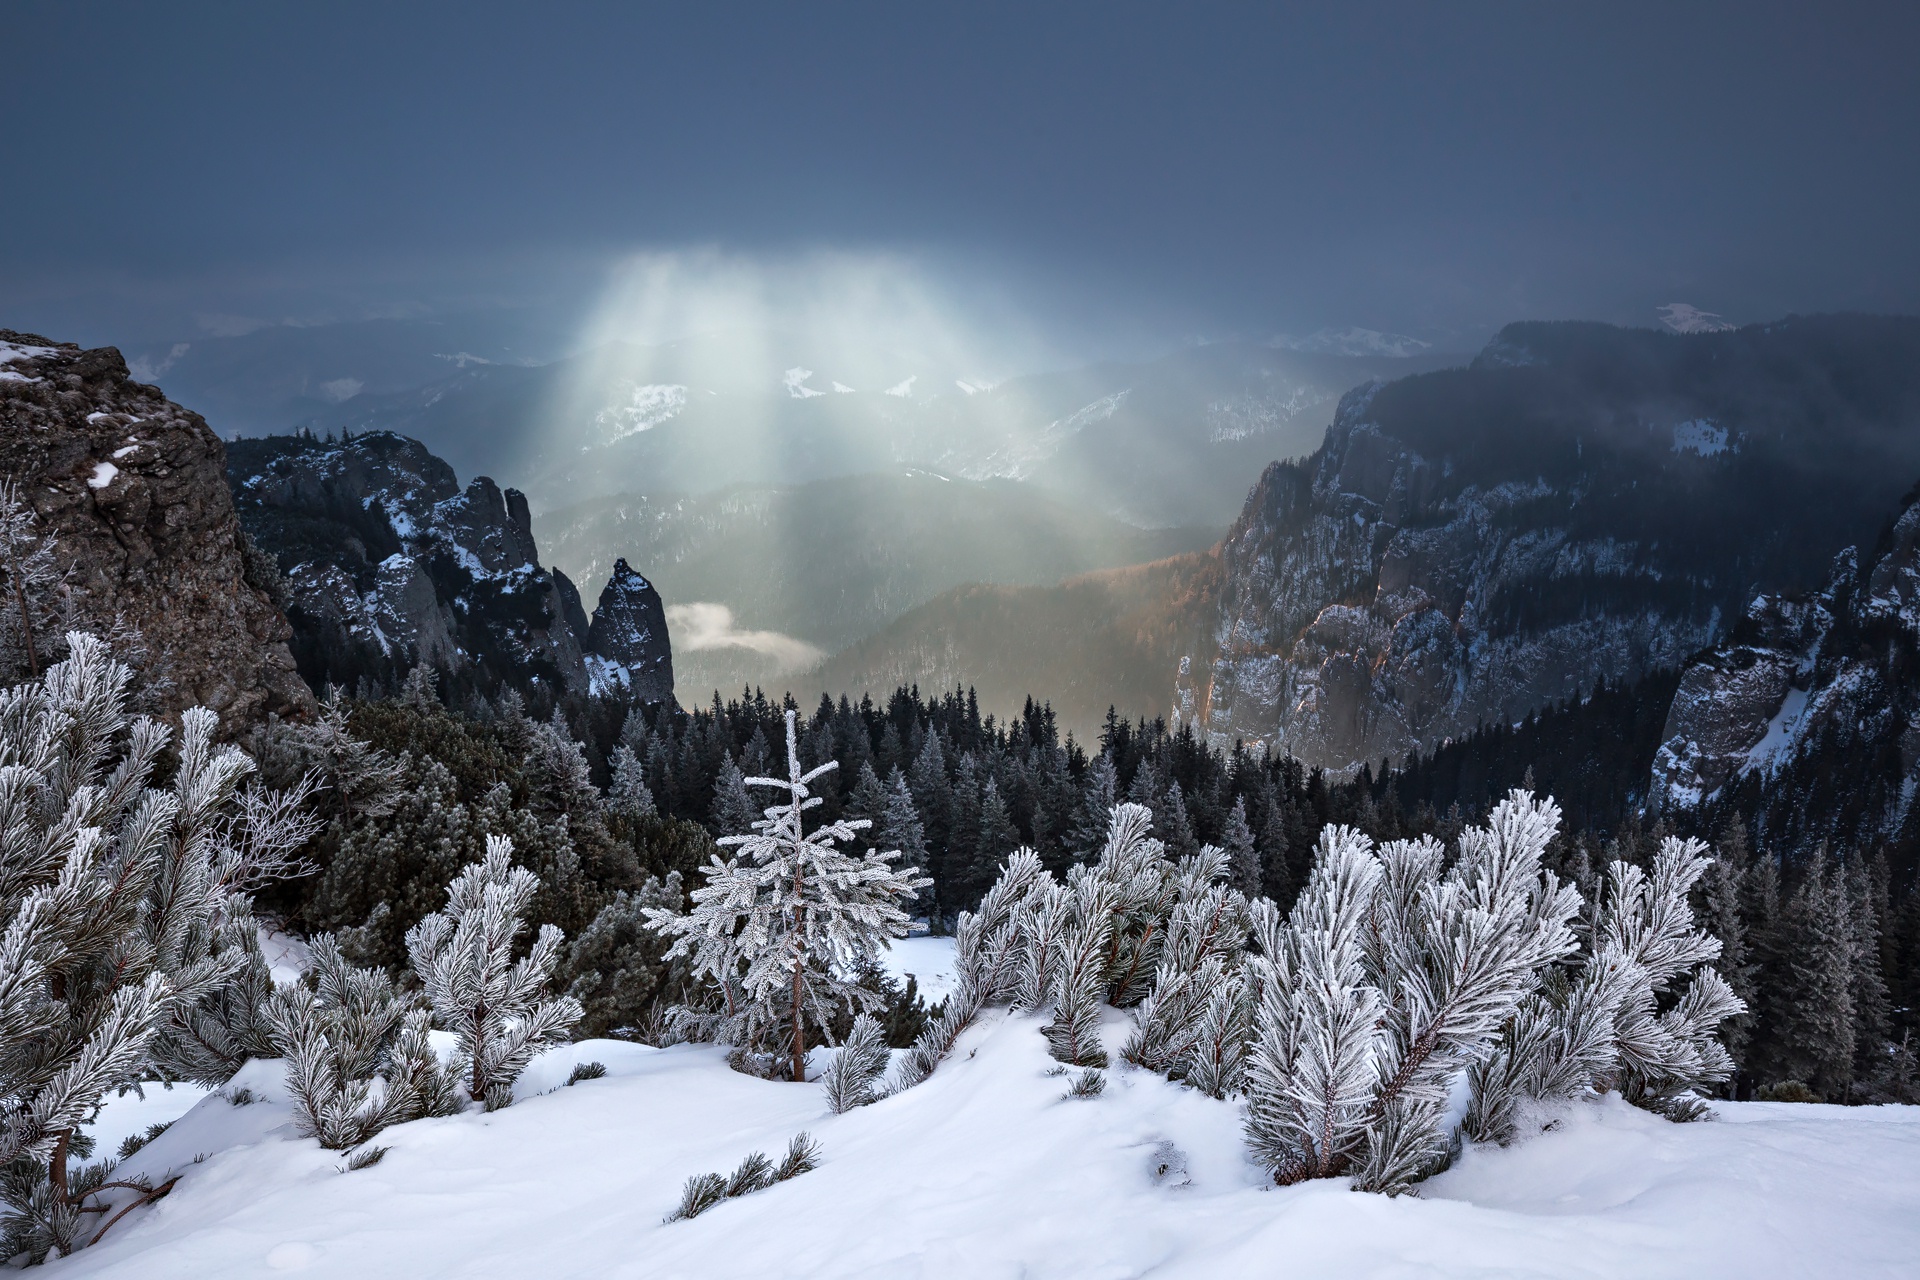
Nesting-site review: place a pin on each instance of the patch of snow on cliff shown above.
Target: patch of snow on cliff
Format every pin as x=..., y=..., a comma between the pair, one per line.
x=1782, y=732
x=903, y=389
x=646, y=407
x=1682, y=317
x=795, y=382
x=1703, y=436
x=103, y=474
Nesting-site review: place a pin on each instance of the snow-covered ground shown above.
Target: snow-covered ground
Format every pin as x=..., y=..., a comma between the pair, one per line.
x=985, y=1171
x=929, y=960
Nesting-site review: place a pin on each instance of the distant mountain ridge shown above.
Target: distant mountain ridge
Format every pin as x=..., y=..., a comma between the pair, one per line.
x=1583, y=502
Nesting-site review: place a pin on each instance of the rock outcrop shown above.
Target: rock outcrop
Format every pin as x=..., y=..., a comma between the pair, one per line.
x=627, y=641
x=1808, y=715
x=134, y=489
x=1582, y=503
x=389, y=563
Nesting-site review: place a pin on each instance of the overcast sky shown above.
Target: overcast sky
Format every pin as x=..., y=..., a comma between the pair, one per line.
x=1179, y=170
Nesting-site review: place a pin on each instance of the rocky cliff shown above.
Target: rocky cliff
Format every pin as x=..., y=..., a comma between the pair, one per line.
x=389, y=563
x=134, y=489
x=1582, y=502
x=1808, y=715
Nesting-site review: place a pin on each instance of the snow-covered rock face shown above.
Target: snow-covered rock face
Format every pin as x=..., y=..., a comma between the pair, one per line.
x=132, y=487
x=387, y=558
x=627, y=643
x=1583, y=504
x=1807, y=690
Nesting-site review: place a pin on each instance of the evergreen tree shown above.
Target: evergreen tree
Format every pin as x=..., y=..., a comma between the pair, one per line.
x=1723, y=917
x=495, y=1007
x=617, y=967
x=1872, y=1019
x=628, y=796
x=996, y=838
x=358, y=1057
x=900, y=828
x=1276, y=878
x=1098, y=795
x=868, y=799
x=1816, y=991
x=782, y=926
x=1244, y=872
x=125, y=909
x=1173, y=825
x=733, y=811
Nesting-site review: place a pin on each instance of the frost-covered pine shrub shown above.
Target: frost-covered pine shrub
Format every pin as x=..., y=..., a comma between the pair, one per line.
x=853, y=1078
x=495, y=1006
x=755, y=1173
x=1600, y=1024
x=986, y=966
x=1393, y=974
x=127, y=942
x=357, y=1053
x=779, y=929
x=1100, y=938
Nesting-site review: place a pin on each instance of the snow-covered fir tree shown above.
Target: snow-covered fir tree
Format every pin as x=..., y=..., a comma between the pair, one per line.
x=628, y=796
x=129, y=947
x=1243, y=859
x=733, y=811
x=781, y=926
x=496, y=1007
x=900, y=826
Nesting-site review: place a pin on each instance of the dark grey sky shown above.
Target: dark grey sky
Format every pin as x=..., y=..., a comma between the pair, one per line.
x=1434, y=169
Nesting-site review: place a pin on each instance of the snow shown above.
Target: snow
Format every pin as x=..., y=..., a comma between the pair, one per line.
x=929, y=960
x=103, y=474
x=796, y=384
x=127, y=450
x=1767, y=753
x=646, y=407
x=1683, y=317
x=903, y=389
x=843, y=388
x=985, y=1171
x=1702, y=436
x=11, y=351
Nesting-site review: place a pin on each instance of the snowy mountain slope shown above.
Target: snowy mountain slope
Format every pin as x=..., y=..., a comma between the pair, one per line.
x=985, y=1171
x=1170, y=441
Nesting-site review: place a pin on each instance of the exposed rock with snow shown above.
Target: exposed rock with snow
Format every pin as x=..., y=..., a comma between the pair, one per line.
x=1583, y=503
x=1811, y=706
x=134, y=488
x=389, y=562
x=627, y=642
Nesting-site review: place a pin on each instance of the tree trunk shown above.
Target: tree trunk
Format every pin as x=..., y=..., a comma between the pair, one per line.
x=799, y=1017
x=57, y=1167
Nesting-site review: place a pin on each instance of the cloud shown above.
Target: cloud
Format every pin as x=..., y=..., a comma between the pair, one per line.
x=707, y=625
